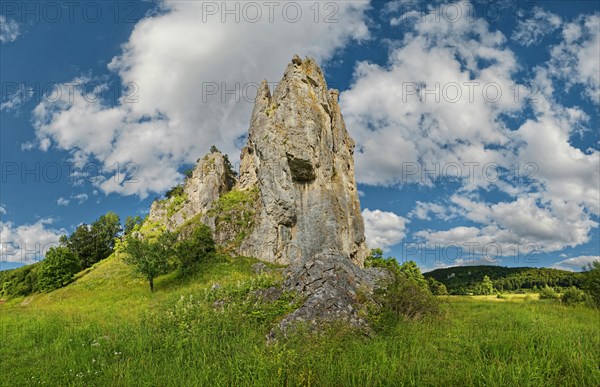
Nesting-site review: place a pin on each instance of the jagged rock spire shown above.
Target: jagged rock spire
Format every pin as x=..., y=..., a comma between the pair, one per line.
x=300, y=156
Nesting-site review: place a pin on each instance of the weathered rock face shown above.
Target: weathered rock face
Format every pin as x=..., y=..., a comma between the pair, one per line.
x=300, y=156
x=208, y=182
x=297, y=169
x=331, y=285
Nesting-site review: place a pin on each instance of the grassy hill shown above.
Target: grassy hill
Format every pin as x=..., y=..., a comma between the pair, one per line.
x=106, y=328
x=462, y=279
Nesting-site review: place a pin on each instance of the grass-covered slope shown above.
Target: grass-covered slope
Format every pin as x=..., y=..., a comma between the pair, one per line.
x=106, y=328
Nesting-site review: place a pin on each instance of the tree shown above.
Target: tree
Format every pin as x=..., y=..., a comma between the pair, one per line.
x=132, y=223
x=149, y=258
x=375, y=257
x=95, y=242
x=188, y=173
x=105, y=230
x=592, y=282
x=412, y=272
x=437, y=288
x=213, y=149
x=486, y=286
x=198, y=246
x=81, y=242
x=58, y=268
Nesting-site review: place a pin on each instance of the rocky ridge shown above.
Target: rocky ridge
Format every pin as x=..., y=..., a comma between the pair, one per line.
x=295, y=201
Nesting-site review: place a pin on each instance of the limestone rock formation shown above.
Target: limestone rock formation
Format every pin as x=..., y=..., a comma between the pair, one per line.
x=209, y=181
x=296, y=193
x=300, y=156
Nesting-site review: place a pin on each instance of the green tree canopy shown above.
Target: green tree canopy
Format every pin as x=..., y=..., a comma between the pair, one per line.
x=58, y=268
x=95, y=242
x=150, y=258
x=198, y=246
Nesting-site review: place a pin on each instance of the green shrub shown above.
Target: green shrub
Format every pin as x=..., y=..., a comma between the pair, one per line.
x=573, y=296
x=407, y=296
x=548, y=293
x=196, y=246
x=436, y=287
x=22, y=281
x=404, y=298
x=58, y=268
x=174, y=191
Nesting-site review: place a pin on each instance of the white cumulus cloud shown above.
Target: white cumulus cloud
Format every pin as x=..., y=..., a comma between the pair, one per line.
x=383, y=229
x=193, y=81
x=576, y=263
x=29, y=242
x=9, y=30
x=533, y=26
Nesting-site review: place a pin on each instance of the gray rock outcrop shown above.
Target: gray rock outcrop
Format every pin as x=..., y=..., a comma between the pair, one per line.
x=297, y=191
x=208, y=182
x=334, y=290
x=300, y=156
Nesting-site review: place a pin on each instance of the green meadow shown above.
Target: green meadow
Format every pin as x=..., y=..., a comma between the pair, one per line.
x=108, y=329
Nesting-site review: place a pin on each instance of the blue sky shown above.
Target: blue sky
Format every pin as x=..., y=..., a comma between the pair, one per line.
x=476, y=123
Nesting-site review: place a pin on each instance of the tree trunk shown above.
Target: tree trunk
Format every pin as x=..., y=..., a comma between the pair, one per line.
x=151, y=284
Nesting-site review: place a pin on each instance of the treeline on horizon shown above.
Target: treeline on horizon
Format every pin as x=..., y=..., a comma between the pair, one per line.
x=467, y=279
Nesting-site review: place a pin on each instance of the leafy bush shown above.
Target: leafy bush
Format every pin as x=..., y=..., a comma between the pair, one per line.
x=19, y=282
x=408, y=294
x=573, y=296
x=548, y=293
x=437, y=288
x=133, y=223
x=485, y=287
x=174, y=191
x=58, y=268
x=404, y=298
x=197, y=246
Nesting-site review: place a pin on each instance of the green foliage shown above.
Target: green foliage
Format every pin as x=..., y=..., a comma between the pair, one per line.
x=437, y=288
x=151, y=230
x=404, y=298
x=108, y=323
x=58, y=268
x=592, y=282
x=95, y=242
x=188, y=173
x=197, y=246
x=150, y=258
x=174, y=191
x=407, y=296
x=375, y=258
x=573, y=296
x=19, y=282
x=176, y=203
x=466, y=279
x=548, y=293
x=486, y=287
x=214, y=149
x=132, y=224
x=234, y=215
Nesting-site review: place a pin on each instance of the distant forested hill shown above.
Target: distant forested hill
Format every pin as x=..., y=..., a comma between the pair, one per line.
x=463, y=279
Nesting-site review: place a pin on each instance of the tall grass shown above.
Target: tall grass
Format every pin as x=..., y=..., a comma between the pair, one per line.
x=108, y=329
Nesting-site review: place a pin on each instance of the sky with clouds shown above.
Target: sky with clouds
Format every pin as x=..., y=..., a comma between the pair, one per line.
x=476, y=122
